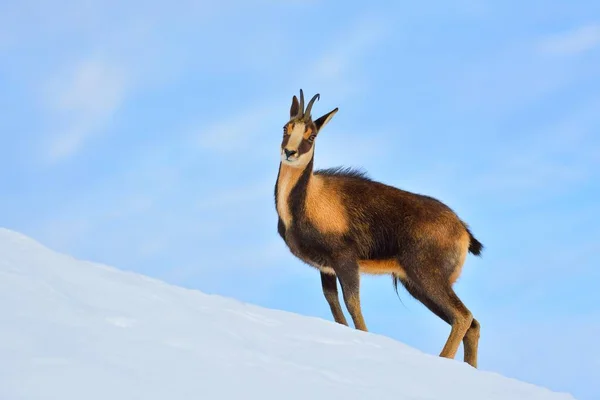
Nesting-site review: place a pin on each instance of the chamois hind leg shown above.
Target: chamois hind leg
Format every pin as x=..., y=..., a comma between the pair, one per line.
x=329, y=284
x=439, y=297
x=471, y=343
x=348, y=273
x=471, y=338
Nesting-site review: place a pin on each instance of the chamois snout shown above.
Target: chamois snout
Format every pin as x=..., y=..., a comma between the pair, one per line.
x=292, y=157
x=289, y=153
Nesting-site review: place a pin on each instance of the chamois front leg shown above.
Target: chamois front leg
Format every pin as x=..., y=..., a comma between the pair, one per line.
x=329, y=284
x=349, y=275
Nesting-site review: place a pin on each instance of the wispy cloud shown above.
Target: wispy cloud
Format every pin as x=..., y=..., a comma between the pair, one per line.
x=337, y=71
x=525, y=72
x=341, y=67
x=102, y=61
x=556, y=157
x=84, y=98
x=576, y=41
x=529, y=164
x=239, y=196
x=510, y=79
x=234, y=132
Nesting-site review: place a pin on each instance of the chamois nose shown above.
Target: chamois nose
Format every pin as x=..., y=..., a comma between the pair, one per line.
x=289, y=153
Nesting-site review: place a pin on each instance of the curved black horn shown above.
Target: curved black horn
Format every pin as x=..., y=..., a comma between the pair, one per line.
x=310, y=104
x=301, y=110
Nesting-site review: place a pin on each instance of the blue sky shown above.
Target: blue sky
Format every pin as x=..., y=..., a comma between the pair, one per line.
x=146, y=136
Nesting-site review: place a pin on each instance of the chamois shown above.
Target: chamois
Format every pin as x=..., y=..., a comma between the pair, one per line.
x=344, y=223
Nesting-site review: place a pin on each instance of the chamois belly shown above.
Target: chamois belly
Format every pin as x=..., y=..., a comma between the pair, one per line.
x=314, y=253
x=388, y=266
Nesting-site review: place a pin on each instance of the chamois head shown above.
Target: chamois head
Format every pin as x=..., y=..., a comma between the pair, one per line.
x=300, y=132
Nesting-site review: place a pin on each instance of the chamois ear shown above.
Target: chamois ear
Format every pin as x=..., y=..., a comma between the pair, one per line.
x=295, y=107
x=322, y=121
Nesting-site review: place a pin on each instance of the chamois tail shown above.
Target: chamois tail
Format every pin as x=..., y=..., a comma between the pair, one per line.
x=475, y=246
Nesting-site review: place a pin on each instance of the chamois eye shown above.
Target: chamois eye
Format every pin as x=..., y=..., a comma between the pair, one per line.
x=285, y=129
x=311, y=138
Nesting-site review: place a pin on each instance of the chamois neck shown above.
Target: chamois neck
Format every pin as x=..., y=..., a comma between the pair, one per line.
x=291, y=187
x=285, y=169
x=294, y=178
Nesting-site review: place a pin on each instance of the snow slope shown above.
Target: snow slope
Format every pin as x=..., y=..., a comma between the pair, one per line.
x=72, y=330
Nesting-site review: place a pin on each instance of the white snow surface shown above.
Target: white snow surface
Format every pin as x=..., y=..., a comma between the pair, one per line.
x=72, y=330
